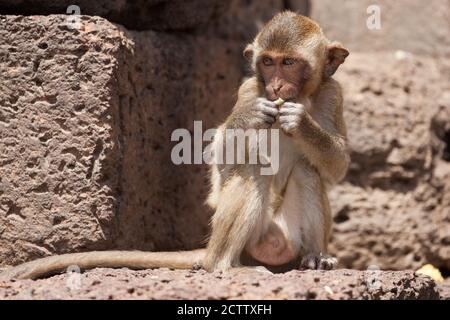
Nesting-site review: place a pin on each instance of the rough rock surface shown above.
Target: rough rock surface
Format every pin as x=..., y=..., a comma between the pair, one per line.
x=235, y=24
x=57, y=135
x=393, y=210
x=136, y=15
x=409, y=25
x=85, y=131
x=166, y=284
x=444, y=290
x=169, y=82
x=244, y=18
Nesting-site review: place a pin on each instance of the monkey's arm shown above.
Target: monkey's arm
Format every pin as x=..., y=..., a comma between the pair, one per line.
x=326, y=151
x=251, y=110
x=321, y=137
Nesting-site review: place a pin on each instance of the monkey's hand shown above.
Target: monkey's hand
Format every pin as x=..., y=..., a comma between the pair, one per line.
x=264, y=113
x=291, y=116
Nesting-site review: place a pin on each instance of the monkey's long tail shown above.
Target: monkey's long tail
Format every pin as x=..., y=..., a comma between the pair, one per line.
x=105, y=259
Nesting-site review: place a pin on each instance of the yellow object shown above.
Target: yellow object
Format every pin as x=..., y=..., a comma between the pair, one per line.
x=279, y=102
x=432, y=272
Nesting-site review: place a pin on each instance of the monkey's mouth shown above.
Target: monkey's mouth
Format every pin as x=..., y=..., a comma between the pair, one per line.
x=284, y=97
x=288, y=95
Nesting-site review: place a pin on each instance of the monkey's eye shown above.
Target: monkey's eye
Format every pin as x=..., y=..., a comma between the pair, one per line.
x=267, y=61
x=288, y=61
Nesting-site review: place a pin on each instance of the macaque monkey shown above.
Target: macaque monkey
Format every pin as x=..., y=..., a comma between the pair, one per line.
x=263, y=220
x=275, y=220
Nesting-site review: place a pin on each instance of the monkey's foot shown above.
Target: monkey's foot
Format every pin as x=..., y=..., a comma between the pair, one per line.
x=318, y=262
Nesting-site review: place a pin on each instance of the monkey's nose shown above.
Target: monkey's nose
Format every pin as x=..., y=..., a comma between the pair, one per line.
x=277, y=88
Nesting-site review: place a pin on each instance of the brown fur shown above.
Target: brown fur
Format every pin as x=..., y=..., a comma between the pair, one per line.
x=286, y=31
x=320, y=139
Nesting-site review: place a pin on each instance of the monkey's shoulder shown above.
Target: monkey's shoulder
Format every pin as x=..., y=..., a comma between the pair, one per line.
x=250, y=84
x=249, y=91
x=329, y=86
x=329, y=96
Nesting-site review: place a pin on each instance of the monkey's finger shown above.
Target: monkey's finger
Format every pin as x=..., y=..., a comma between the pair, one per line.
x=309, y=262
x=292, y=109
x=288, y=119
x=290, y=104
x=324, y=264
x=268, y=103
x=269, y=111
x=265, y=101
x=290, y=112
x=267, y=118
x=288, y=128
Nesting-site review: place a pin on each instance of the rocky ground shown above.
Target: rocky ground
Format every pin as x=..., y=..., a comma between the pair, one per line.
x=189, y=284
x=444, y=290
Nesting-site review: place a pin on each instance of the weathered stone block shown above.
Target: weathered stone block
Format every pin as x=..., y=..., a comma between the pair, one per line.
x=57, y=136
x=171, y=81
x=85, y=125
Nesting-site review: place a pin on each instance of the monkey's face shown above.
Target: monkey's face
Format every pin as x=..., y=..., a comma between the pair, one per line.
x=291, y=56
x=283, y=75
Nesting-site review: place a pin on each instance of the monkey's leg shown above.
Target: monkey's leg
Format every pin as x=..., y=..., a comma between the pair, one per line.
x=241, y=214
x=304, y=217
x=314, y=218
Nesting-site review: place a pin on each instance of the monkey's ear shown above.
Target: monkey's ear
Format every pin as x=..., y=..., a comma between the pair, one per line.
x=336, y=55
x=248, y=52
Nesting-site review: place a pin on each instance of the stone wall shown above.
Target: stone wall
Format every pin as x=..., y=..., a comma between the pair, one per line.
x=58, y=136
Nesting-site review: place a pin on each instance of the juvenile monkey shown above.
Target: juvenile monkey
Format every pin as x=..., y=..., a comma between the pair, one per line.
x=276, y=220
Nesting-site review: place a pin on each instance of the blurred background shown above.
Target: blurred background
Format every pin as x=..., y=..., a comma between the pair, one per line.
x=86, y=116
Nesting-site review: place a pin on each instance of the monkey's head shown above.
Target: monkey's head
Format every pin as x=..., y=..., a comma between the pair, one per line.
x=291, y=56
